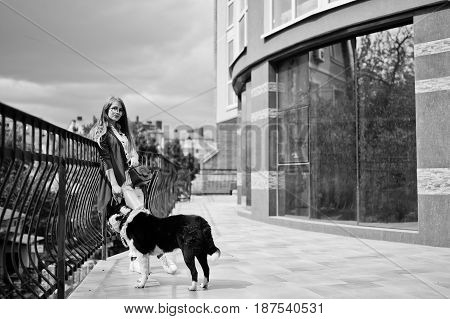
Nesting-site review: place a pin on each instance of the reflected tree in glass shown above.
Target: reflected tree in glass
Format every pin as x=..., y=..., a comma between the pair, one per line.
x=387, y=148
x=333, y=134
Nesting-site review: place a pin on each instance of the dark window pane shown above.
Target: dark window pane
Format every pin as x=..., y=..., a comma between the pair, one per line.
x=388, y=167
x=293, y=141
x=333, y=134
x=293, y=79
x=293, y=190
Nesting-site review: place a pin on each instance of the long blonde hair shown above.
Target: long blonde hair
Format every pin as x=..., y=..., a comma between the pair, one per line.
x=99, y=129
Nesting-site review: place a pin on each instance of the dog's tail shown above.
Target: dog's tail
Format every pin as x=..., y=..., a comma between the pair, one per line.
x=216, y=255
x=211, y=248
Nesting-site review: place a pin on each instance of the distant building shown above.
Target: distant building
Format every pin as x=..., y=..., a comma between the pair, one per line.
x=198, y=145
x=149, y=135
x=341, y=114
x=217, y=162
x=77, y=126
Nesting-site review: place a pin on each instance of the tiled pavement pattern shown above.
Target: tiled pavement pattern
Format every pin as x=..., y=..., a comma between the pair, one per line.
x=267, y=261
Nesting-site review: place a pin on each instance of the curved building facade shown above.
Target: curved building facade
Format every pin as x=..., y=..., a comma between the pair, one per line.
x=342, y=114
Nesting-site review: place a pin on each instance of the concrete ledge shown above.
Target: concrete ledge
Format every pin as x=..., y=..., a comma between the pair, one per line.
x=356, y=231
x=87, y=288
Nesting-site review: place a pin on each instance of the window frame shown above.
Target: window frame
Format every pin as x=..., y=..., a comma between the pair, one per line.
x=368, y=28
x=322, y=6
x=230, y=59
x=242, y=15
x=244, y=42
x=233, y=105
x=230, y=23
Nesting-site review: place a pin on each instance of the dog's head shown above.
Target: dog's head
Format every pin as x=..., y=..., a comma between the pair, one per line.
x=118, y=213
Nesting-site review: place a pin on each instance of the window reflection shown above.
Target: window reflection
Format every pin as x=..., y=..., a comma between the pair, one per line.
x=293, y=143
x=293, y=190
x=305, y=6
x=281, y=12
x=333, y=133
x=293, y=83
x=346, y=113
x=388, y=164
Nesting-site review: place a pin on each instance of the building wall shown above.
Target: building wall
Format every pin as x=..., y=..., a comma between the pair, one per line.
x=254, y=77
x=317, y=28
x=224, y=111
x=432, y=56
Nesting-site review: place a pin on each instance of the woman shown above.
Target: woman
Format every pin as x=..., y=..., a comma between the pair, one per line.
x=117, y=154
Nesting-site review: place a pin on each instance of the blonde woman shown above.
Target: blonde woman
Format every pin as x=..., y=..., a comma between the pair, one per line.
x=117, y=154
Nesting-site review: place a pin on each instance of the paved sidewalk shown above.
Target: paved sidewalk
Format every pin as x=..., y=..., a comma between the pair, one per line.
x=260, y=260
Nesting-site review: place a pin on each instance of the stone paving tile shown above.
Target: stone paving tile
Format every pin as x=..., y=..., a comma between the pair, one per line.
x=260, y=260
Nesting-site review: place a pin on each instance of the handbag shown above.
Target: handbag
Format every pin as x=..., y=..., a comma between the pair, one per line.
x=140, y=175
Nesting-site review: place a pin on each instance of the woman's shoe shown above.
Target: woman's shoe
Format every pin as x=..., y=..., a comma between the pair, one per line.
x=167, y=264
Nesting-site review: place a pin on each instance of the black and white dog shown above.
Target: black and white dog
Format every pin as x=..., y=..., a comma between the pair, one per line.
x=147, y=235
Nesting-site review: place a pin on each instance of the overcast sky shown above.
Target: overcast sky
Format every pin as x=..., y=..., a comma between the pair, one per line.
x=144, y=51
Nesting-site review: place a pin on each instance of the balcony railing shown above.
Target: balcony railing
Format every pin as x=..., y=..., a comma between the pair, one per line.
x=50, y=230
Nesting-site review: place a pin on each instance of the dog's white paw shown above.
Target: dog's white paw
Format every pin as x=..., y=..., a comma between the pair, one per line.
x=193, y=287
x=141, y=282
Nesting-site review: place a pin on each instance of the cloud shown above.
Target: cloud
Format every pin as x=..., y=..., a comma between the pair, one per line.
x=162, y=49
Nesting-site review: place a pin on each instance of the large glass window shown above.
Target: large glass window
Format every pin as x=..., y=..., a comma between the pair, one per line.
x=293, y=137
x=333, y=134
x=293, y=190
x=346, y=127
x=293, y=107
x=387, y=135
x=293, y=79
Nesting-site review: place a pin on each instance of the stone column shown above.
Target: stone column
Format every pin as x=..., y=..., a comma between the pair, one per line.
x=239, y=154
x=263, y=147
x=432, y=70
x=245, y=149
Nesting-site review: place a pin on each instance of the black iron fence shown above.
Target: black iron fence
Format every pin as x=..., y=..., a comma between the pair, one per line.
x=50, y=230
x=169, y=184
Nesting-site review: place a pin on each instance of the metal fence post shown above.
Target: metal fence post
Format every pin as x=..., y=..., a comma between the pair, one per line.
x=104, y=234
x=61, y=236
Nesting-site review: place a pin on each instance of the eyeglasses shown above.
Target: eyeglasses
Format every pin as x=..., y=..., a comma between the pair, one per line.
x=116, y=109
